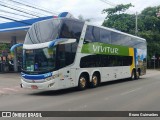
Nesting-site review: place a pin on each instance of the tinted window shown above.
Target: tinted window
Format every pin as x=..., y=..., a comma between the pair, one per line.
x=90, y=61
x=138, y=44
x=105, y=36
x=43, y=31
x=66, y=54
x=92, y=34
x=127, y=60
x=71, y=29
x=125, y=40
x=105, y=61
x=117, y=38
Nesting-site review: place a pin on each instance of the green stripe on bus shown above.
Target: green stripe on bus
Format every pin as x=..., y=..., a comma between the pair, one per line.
x=101, y=48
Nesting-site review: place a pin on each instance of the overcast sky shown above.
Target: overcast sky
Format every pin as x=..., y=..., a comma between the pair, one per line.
x=89, y=8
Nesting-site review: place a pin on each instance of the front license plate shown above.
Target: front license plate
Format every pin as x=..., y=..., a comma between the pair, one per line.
x=34, y=87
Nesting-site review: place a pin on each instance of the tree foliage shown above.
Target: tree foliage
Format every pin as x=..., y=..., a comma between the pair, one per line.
x=148, y=24
x=118, y=9
x=116, y=18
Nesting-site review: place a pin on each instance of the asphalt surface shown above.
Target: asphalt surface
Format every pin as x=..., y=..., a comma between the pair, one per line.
x=121, y=95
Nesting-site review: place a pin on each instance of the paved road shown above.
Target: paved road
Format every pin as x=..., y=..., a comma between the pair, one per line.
x=122, y=95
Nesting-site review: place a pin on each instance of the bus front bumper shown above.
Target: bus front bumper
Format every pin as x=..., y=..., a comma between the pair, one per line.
x=48, y=85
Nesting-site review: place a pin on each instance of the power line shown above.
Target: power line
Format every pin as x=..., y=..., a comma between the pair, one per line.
x=56, y=13
x=8, y=18
x=3, y=20
x=113, y=4
x=24, y=10
x=136, y=15
x=18, y=10
x=15, y=7
x=4, y=11
x=31, y=6
x=108, y=2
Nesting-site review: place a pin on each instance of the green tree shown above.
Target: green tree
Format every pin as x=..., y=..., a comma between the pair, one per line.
x=151, y=30
x=118, y=19
x=4, y=47
x=118, y=9
x=148, y=24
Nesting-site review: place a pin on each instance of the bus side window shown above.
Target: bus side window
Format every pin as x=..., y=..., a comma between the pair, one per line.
x=71, y=29
x=105, y=36
x=66, y=30
x=127, y=60
x=66, y=54
x=88, y=35
x=92, y=34
x=96, y=34
x=61, y=56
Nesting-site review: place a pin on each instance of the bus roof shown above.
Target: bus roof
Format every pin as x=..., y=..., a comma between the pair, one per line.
x=61, y=18
x=110, y=29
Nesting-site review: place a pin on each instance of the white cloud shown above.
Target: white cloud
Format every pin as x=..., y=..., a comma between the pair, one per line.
x=92, y=8
x=89, y=8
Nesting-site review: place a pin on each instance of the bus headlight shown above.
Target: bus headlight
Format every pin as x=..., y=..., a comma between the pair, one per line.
x=49, y=78
x=50, y=85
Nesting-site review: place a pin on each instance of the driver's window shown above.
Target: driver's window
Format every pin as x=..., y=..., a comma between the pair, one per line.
x=66, y=54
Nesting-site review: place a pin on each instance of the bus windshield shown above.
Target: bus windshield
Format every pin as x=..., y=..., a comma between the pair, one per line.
x=43, y=31
x=49, y=30
x=39, y=60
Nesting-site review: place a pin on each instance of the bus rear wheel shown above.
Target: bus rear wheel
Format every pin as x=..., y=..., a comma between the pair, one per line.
x=82, y=82
x=95, y=81
x=133, y=75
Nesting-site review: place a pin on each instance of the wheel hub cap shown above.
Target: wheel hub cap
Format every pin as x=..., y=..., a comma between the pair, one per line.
x=83, y=82
x=94, y=79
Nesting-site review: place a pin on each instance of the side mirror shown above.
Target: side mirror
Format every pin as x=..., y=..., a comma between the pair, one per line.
x=60, y=41
x=15, y=46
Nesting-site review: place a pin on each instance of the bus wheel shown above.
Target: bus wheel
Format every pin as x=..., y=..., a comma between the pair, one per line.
x=138, y=73
x=133, y=75
x=82, y=82
x=95, y=81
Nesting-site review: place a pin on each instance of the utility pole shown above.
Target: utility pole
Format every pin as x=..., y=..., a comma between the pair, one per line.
x=158, y=14
x=136, y=24
x=154, y=61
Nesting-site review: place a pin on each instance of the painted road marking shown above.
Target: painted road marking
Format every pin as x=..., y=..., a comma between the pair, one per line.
x=17, y=87
x=2, y=92
x=125, y=93
x=10, y=89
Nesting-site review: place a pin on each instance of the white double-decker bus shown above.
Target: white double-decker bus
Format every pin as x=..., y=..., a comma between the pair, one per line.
x=62, y=53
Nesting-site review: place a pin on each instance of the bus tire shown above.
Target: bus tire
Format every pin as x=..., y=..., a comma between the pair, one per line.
x=82, y=83
x=138, y=73
x=133, y=75
x=95, y=81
